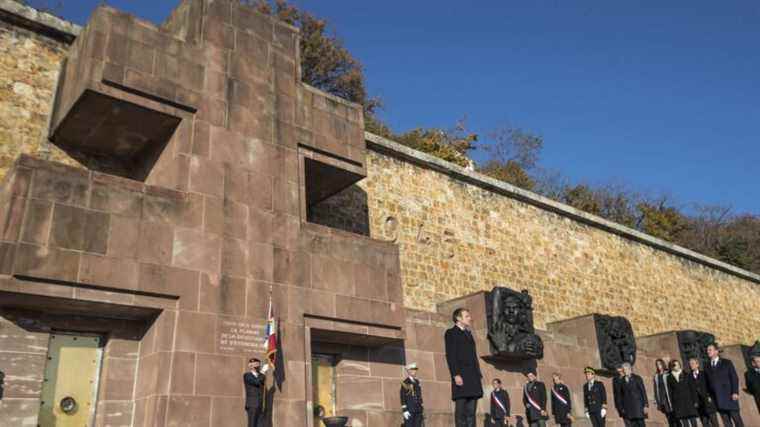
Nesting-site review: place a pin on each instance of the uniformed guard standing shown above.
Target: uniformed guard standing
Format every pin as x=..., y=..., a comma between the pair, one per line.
x=411, y=398
x=594, y=398
x=562, y=404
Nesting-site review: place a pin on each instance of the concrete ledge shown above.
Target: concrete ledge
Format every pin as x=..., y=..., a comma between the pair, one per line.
x=385, y=146
x=39, y=22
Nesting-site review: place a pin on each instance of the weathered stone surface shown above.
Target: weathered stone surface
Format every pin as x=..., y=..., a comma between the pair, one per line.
x=456, y=238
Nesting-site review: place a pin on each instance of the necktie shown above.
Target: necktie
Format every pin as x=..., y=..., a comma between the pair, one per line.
x=714, y=362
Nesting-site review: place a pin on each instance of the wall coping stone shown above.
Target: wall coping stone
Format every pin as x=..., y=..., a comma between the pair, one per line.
x=394, y=149
x=39, y=22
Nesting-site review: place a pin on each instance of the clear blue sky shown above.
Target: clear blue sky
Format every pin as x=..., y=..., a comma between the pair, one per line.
x=663, y=96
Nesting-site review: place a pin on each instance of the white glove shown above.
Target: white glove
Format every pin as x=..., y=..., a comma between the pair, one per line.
x=407, y=415
x=604, y=412
x=587, y=416
x=265, y=368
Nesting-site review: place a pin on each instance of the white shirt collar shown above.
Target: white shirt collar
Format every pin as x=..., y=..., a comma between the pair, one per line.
x=255, y=374
x=461, y=327
x=714, y=361
x=412, y=379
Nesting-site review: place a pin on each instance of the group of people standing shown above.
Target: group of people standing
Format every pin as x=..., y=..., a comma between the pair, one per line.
x=701, y=393
x=684, y=397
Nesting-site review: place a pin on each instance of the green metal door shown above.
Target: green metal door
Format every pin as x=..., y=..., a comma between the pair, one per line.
x=70, y=387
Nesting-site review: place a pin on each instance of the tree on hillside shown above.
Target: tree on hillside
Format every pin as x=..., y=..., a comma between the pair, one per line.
x=325, y=62
x=512, y=154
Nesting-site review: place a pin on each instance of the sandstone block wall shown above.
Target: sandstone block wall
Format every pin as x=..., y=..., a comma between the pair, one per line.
x=29, y=66
x=456, y=237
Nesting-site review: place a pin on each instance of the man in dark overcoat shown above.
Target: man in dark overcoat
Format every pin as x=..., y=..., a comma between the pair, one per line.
x=594, y=398
x=255, y=385
x=708, y=414
x=617, y=380
x=752, y=378
x=464, y=367
x=723, y=384
x=634, y=404
x=534, y=399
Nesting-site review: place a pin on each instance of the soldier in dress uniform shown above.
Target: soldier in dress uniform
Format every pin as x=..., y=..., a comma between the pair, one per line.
x=534, y=398
x=499, y=405
x=411, y=398
x=562, y=403
x=594, y=398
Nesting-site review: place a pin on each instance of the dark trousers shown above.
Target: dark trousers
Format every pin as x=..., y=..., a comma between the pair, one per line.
x=709, y=420
x=626, y=422
x=255, y=416
x=672, y=420
x=731, y=418
x=414, y=421
x=596, y=419
x=497, y=422
x=464, y=411
x=687, y=422
x=638, y=422
x=537, y=423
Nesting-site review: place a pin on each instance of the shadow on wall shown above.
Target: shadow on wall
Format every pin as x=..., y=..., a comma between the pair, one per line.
x=346, y=210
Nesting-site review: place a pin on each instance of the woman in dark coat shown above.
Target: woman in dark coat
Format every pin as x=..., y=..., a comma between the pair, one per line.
x=661, y=393
x=683, y=395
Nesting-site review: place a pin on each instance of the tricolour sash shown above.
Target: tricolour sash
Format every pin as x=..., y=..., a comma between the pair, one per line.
x=498, y=402
x=530, y=399
x=558, y=396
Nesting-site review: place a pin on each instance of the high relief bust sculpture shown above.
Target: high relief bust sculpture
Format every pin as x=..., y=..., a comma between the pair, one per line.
x=616, y=341
x=510, y=325
x=694, y=344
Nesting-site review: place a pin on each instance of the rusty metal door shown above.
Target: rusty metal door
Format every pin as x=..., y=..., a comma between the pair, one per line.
x=70, y=386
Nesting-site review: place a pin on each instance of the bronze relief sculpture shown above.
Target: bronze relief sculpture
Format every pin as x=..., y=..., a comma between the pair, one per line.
x=617, y=344
x=510, y=325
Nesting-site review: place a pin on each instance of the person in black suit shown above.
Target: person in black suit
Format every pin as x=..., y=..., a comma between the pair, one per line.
x=723, y=384
x=562, y=403
x=2, y=383
x=594, y=398
x=616, y=393
x=500, y=410
x=707, y=411
x=683, y=395
x=464, y=367
x=752, y=378
x=661, y=393
x=255, y=385
x=633, y=397
x=534, y=399
x=411, y=398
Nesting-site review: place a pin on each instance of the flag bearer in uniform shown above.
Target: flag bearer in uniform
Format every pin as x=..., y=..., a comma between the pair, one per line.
x=411, y=398
x=562, y=404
